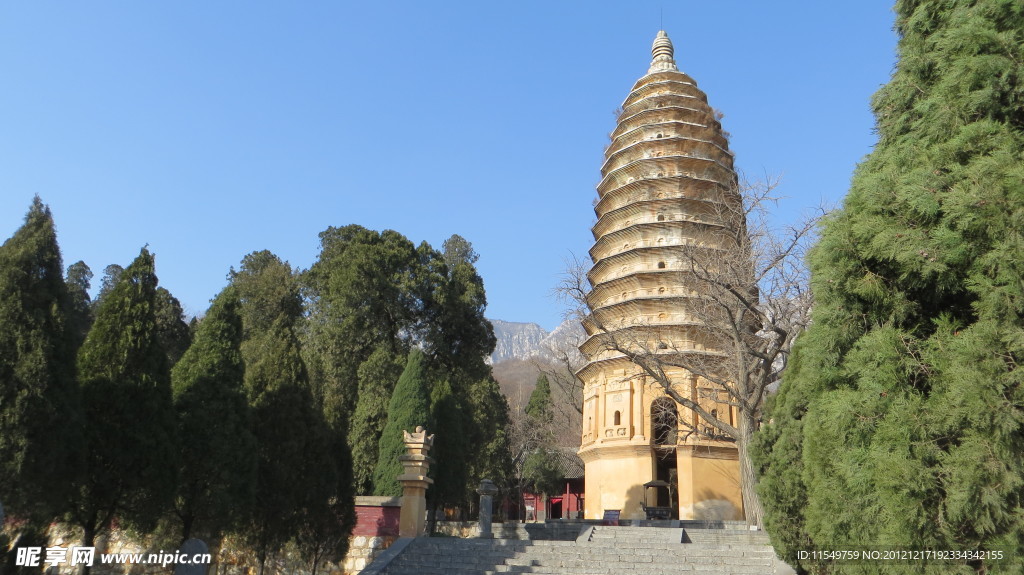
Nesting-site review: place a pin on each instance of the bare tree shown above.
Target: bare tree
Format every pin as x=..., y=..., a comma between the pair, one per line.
x=566, y=391
x=525, y=437
x=744, y=299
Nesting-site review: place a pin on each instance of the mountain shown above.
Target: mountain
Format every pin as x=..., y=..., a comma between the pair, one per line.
x=523, y=352
x=524, y=341
x=516, y=340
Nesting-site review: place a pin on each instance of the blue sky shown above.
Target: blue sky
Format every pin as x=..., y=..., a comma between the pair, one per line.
x=209, y=130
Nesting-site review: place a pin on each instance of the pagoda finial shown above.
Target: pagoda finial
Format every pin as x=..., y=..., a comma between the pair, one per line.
x=662, y=53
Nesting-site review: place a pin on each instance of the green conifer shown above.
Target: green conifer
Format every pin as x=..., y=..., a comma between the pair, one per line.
x=377, y=378
x=900, y=423
x=409, y=408
x=298, y=472
x=38, y=395
x=489, y=435
x=129, y=428
x=172, y=330
x=217, y=463
x=450, y=423
x=538, y=407
x=79, y=280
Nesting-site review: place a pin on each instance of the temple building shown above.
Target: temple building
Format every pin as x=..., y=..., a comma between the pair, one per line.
x=666, y=174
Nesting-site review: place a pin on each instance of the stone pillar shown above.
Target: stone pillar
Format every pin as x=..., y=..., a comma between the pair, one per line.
x=414, y=482
x=487, y=491
x=638, y=409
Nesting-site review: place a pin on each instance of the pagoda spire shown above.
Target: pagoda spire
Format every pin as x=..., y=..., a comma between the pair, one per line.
x=662, y=55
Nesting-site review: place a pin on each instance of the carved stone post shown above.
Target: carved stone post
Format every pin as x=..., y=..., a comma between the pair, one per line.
x=414, y=481
x=487, y=490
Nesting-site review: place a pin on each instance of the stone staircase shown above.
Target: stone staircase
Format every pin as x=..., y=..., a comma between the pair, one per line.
x=693, y=549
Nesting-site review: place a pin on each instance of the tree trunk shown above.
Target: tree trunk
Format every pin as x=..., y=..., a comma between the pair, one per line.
x=186, y=527
x=88, y=540
x=752, y=508
x=261, y=556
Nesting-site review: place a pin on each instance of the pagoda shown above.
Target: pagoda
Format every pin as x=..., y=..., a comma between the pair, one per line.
x=667, y=178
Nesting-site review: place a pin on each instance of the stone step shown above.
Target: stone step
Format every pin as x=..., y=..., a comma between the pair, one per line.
x=585, y=558
x=598, y=551
x=697, y=558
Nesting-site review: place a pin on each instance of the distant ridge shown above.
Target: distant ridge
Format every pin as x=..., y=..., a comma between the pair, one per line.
x=525, y=341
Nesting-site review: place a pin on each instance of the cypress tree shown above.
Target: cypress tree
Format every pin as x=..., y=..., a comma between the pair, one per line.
x=129, y=427
x=450, y=423
x=172, y=330
x=459, y=338
x=457, y=334
x=79, y=280
x=538, y=407
x=377, y=378
x=371, y=295
x=492, y=456
x=38, y=395
x=900, y=423
x=364, y=293
x=541, y=472
x=409, y=407
x=217, y=462
x=297, y=475
x=111, y=275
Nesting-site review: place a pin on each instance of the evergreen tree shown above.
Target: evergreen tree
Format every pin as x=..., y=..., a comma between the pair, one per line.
x=377, y=378
x=172, y=330
x=111, y=275
x=542, y=473
x=458, y=335
x=38, y=395
x=457, y=249
x=79, y=280
x=492, y=457
x=217, y=463
x=129, y=428
x=450, y=422
x=409, y=408
x=324, y=529
x=296, y=473
x=363, y=292
x=459, y=338
x=538, y=408
x=372, y=295
x=901, y=422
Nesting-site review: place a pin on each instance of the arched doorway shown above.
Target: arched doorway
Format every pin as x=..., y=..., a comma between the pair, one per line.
x=664, y=436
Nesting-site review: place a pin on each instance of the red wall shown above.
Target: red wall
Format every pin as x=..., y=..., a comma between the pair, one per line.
x=572, y=497
x=374, y=520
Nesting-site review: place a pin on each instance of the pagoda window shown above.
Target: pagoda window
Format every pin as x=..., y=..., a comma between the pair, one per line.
x=617, y=420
